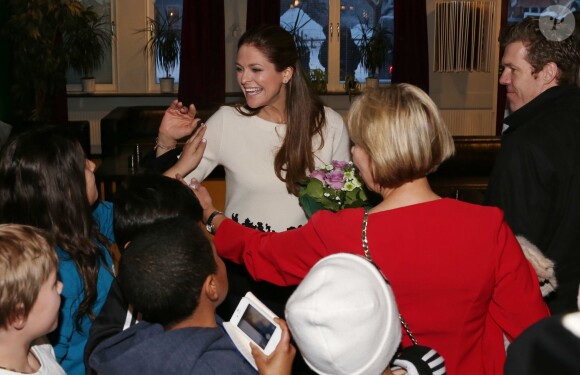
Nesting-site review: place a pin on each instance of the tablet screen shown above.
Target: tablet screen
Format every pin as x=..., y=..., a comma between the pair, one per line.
x=256, y=326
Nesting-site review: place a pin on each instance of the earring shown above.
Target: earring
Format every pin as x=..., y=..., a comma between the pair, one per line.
x=284, y=81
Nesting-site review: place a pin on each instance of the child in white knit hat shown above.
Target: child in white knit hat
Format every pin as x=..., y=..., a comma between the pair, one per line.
x=344, y=319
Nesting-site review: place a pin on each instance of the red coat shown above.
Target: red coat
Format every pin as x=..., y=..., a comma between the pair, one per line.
x=457, y=271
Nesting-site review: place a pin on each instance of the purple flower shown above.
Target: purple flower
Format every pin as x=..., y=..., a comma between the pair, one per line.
x=318, y=174
x=338, y=164
x=335, y=179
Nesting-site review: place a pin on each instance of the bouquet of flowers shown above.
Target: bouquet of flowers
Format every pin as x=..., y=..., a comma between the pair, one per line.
x=333, y=187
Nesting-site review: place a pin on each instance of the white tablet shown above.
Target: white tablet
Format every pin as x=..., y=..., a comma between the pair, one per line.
x=253, y=322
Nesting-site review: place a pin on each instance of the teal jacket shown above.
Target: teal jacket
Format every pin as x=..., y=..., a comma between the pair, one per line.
x=69, y=343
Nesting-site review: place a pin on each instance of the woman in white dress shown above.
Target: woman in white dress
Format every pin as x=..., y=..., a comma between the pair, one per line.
x=269, y=143
x=266, y=146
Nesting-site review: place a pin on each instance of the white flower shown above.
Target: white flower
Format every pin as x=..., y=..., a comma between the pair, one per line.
x=349, y=186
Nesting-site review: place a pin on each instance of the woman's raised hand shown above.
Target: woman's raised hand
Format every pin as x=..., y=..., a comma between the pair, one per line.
x=178, y=121
x=191, y=154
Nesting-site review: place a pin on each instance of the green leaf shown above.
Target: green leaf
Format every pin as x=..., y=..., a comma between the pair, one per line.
x=310, y=205
x=314, y=188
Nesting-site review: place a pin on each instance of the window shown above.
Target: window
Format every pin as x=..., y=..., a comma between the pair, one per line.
x=104, y=76
x=328, y=34
x=520, y=9
x=172, y=11
x=169, y=13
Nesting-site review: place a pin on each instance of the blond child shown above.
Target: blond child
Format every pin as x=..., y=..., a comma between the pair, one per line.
x=29, y=301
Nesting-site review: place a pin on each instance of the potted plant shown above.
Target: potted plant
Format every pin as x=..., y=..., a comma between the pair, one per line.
x=296, y=30
x=318, y=80
x=164, y=44
x=86, y=43
x=34, y=29
x=351, y=86
x=374, y=47
x=303, y=51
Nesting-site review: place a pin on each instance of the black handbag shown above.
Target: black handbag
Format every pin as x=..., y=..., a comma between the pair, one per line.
x=416, y=359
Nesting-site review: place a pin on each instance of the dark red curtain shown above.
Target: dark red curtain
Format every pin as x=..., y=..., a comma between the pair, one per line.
x=501, y=91
x=411, y=49
x=262, y=12
x=202, y=73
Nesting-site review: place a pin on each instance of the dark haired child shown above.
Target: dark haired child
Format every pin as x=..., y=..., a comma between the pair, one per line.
x=173, y=276
x=140, y=202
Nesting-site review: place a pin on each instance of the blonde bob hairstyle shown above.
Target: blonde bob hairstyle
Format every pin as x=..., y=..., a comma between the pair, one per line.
x=401, y=130
x=27, y=258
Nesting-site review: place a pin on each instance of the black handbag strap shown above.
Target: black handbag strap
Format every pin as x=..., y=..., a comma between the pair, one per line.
x=365, y=245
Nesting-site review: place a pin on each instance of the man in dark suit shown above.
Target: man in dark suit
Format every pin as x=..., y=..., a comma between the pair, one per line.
x=536, y=177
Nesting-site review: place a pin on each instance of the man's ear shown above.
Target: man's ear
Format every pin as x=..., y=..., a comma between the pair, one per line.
x=549, y=73
x=210, y=288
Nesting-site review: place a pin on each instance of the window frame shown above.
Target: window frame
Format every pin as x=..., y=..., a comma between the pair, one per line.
x=334, y=84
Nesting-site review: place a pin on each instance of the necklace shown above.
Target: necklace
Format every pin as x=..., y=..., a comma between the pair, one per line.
x=20, y=372
x=13, y=370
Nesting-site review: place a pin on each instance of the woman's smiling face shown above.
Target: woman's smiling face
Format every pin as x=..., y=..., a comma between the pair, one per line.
x=260, y=82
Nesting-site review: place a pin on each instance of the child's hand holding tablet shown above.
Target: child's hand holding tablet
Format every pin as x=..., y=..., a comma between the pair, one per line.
x=253, y=322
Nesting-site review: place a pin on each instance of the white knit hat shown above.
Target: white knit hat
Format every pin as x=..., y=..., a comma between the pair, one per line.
x=344, y=318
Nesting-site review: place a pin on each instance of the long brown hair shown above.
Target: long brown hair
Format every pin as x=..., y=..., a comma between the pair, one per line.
x=42, y=184
x=305, y=109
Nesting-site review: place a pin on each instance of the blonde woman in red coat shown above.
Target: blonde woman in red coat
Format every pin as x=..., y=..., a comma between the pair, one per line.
x=458, y=273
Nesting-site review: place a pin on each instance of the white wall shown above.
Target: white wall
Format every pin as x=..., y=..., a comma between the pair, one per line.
x=235, y=17
x=466, y=99
x=132, y=75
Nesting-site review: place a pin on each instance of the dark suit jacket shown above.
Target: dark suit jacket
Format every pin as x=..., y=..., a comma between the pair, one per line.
x=536, y=181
